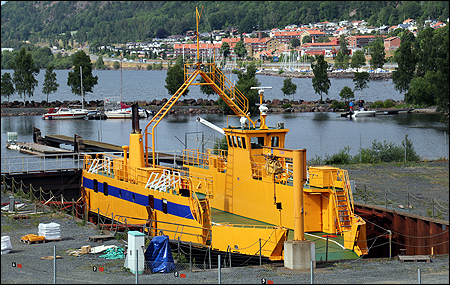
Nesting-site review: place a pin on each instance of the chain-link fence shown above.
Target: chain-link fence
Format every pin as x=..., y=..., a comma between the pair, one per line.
x=35, y=262
x=408, y=203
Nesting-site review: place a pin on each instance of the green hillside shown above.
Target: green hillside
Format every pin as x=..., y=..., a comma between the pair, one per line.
x=121, y=21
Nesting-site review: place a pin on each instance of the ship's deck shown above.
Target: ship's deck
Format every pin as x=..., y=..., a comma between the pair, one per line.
x=335, y=242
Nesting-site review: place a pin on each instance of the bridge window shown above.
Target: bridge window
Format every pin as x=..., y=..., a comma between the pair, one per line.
x=243, y=142
x=234, y=141
x=239, y=142
x=95, y=186
x=275, y=142
x=230, y=142
x=257, y=142
x=105, y=188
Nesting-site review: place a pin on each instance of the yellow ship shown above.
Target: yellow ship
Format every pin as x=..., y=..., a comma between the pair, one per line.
x=256, y=180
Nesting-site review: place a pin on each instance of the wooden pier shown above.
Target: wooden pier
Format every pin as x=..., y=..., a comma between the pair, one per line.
x=80, y=144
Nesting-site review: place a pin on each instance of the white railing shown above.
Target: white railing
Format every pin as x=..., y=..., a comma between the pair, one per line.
x=162, y=181
x=41, y=163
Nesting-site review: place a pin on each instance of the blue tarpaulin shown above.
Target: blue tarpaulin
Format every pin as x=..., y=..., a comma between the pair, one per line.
x=158, y=255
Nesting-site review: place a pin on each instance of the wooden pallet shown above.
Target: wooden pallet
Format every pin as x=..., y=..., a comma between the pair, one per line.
x=19, y=216
x=39, y=241
x=414, y=258
x=100, y=238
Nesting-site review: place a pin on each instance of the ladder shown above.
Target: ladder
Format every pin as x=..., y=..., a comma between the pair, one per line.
x=344, y=211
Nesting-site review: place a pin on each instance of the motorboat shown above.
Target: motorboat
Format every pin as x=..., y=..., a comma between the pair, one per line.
x=64, y=113
x=97, y=114
x=125, y=113
x=362, y=113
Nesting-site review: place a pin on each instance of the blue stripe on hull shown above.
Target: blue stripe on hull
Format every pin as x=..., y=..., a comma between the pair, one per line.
x=178, y=210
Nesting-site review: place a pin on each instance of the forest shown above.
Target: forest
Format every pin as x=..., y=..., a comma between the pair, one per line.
x=109, y=22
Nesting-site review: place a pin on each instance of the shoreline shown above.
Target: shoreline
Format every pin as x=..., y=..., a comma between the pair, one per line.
x=33, y=111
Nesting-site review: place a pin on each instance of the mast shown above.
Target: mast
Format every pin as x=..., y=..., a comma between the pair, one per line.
x=81, y=88
x=120, y=80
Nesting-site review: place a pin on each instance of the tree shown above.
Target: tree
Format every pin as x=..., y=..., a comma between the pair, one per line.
x=225, y=50
x=343, y=45
x=75, y=79
x=24, y=72
x=288, y=88
x=7, y=85
x=339, y=60
x=50, y=83
x=306, y=39
x=404, y=73
x=358, y=59
x=378, y=55
x=295, y=42
x=240, y=49
x=116, y=65
x=100, y=64
x=345, y=62
x=175, y=78
x=347, y=93
x=320, y=82
x=361, y=79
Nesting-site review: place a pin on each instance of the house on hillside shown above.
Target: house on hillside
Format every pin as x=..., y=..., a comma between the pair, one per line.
x=392, y=43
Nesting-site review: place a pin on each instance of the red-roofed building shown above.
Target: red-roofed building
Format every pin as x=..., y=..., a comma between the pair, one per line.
x=392, y=43
x=438, y=25
x=190, y=50
x=327, y=49
x=354, y=41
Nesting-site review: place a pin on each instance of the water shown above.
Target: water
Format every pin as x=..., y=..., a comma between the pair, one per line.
x=149, y=84
x=320, y=133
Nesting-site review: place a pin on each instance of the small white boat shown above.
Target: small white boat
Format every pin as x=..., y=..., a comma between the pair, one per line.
x=124, y=113
x=64, y=113
x=362, y=113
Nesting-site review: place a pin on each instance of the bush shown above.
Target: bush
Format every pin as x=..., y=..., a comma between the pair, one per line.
x=377, y=153
x=342, y=157
x=287, y=105
x=388, y=103
x=337, y=105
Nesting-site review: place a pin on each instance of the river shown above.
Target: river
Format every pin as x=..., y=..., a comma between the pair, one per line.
x=320, y=133
x=149, y=84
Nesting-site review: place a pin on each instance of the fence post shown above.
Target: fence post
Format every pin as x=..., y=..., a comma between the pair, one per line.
x=218, y=267
x=390, y=244
x=409, y=208
x=260, y=259
x=54, y=264
x=209, y=255
x=432, y=205
x=190, y=256
x=178, y=254
x=326, y=251
x=365, y=194
x=418, y=276
x=312, y=272
x=385, y=199
x=229, y=256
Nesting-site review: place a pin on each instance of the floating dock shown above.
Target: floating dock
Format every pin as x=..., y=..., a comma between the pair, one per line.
x=35, y=149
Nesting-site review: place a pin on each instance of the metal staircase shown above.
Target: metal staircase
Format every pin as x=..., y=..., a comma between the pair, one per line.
x=342, y=202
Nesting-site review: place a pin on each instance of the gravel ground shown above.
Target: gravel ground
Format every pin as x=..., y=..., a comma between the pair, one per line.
x=424, y=180
x=72, y=269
